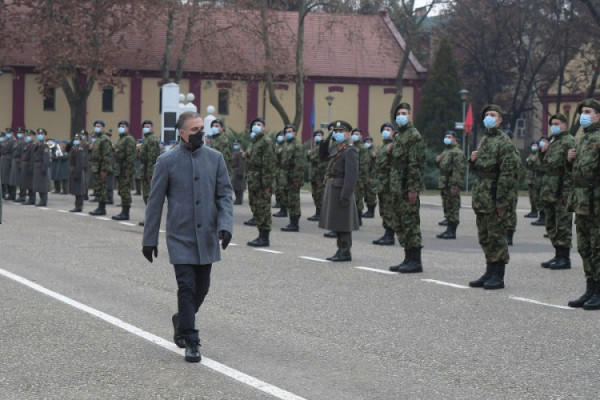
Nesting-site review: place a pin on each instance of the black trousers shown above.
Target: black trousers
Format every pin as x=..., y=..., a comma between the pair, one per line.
x=193, y=282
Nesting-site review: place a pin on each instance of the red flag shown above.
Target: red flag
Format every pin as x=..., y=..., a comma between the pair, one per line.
x=469, y=121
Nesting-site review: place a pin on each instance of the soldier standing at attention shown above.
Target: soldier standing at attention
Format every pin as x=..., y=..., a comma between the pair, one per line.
x=102, y=155
x=556, y=186
x=317, y=174
x=338, y=212
x=538, y=174
x=381, y=185
x=77, y=173
x=364, y=158
x=260, y=165
x=6, y=153
x=406, y=181
x=125, y=161
x=41, y=170
x=219, y=142
x=15, y=169
x=510, y=220
x=530, y=163
x=370, y=196
x=149, y=152
x=584, y=200
x=238, y=180
x=494, y=162
x=27, y=166
x=279, y=176
x=292, y=176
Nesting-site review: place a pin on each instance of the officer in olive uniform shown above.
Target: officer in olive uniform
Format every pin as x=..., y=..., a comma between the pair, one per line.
x=238, y=180
x=125, y=162
x=27, y=167
x=149, y=152
x=556, y=186
x=381, y=185
x=494, y=163
x=452, y=165
x=291, y=174
x=584, y=200
x=15, y=169
x=364, y=158
x=6, y=154
x=41, y=170
x=370, y=195
x=317, y=174
x=406, y=181
x=102, y=156
x=338, y=211
x=219, y=142
x=77, y=186
x=260, y=168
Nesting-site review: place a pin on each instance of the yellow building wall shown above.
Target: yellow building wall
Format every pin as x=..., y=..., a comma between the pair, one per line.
x=120, y=107
x=56, y=122
x=6, y=84
x=344, y=105
x=150, y=102
x=266, y=109
x=238, y=94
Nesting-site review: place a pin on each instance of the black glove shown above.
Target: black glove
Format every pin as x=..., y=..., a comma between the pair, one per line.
x=225, y=237
x=147, y=251
x=343, y=203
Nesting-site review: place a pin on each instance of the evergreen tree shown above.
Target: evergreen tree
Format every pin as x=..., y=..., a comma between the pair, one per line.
x=441, y=105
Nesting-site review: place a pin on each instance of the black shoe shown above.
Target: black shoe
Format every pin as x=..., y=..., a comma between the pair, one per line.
x=489, y=268
x=532, y=214
x=589, y=292
x=546, y=264
x=413, y=265
x=141, y=223
x=560, y=263
x=497, y=279
x=250, y=222
x=338, y=258
x=192, y=351
x=444, y=222
x=370, y=212
x=330, y=234
x=98, y=211
x=315, y=217
x=76, y=210
x=177, y=337
x=261, y=241
x=281, y=213
x=291, y=228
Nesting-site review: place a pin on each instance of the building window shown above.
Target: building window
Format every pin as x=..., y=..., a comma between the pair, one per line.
x=108, y=99
x=50, y=99
x=223, y=102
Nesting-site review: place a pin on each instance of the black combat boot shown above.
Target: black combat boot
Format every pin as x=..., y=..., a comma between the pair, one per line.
x=395, y=268
x=594, y=302
x=177, y=336
x=444, y=222
x=370, y=212
x=590, y=288
x=261, y=241
x=414, y=264
x=330, y=234
x=387, y=239
x=532, y=214
x=192, y=350
x=563, y=261
x=250, y=222
x=293, y=225
x=497, y=279
x=450, y=231
x=101, y=210
x=317, y=215
x=344, y=243
x=509, y=236
x=489, y=270
x=541, y=221
x=124, y=215
x=281, y=213
x=546, y=264
x=359, y=217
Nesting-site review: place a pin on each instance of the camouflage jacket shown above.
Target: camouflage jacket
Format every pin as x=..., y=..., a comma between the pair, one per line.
x=221, y=144
x=364, y=160
x=495, y=168
x=317, y=166
x=452, y=168
x=408, y=161
x=556, y=182
x=291, y=164
x=149, y=152
x=530, y=166
x=584, y=198
x=382, y=168
x=260, y=163
x=102, y=155
x=125, y=155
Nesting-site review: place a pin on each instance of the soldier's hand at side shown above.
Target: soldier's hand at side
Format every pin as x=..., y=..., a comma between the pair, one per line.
x=389, y=147
x=453, y=191
x=474, y=156
x=103, y=174
x=225, y=237
x=438, y=158
x=412, y=197
x=148, y=250
x=501, y=212
x=267, y=190
x=571, y=155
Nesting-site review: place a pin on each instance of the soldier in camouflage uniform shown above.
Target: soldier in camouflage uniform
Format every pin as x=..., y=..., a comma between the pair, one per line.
x=291, y=176
x=277, y=187
x=364, y=157
x=510, y=220
x=530, y=162
x=102, y=155
x=538, y=174
x=381, y=185
x=494, y=162
x=317, y=174
x=584, y=200
x=260, y=167
x=406, y=181
x=149, y=152
x=125, y=163
x=219, y=142
x=556, y=187
x=370, y=195
x=452, y=165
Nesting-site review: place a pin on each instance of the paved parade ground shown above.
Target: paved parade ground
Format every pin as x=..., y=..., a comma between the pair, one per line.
x=85, y=316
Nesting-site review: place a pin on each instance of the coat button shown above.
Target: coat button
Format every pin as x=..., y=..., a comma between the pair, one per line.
x=196, y=178
x=197, y=202
x=199, y=225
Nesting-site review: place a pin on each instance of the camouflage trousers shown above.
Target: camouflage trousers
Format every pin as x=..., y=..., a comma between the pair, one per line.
x=124, y=189
x=317, y=193
x=100, y=188
x=451, y=205
x=290, y=198
x=408, y=221
x=588, y=244
x=260, y=204
x=386, y=209
x=370, y=196
x=534, y=195
x=145, y=190
x=359, y=196
x=510, y=218
x=491, y=232
x=559, y=224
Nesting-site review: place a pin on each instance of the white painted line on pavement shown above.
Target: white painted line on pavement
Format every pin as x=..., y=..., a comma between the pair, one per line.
x=207, y=362
x=269, y=251
x=454, y=285
x=104, y=218
x=381, y=271
x=62, y=211
x=314, y=259
x=127, y=223
x=43, y=208
x=539, y=302
x=82, y=214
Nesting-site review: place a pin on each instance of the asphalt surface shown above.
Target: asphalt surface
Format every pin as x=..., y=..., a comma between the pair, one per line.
x=296, y=327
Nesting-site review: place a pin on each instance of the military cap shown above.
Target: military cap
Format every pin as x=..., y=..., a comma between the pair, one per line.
x=387, y=125
x=258, y=119
x=42, y=131
x=339, y=124
x=83, y=132
x=99, y=121
x=450, y=132
x=592, y=103
x=558, y=116
x=30, y=132
x=401, y=106
x=357, y=130
x=9, y=129
x=331, y=125
x=217, y=121
x=368, y=139
x=123, y=122
x=147, y=121
x=317, y=132
x=236, y=142
x=290, y=126
x=280, y=133
x=491, y=107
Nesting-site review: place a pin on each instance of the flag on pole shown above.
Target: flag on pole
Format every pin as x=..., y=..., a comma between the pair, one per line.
x=312, y=117
x=469, y=121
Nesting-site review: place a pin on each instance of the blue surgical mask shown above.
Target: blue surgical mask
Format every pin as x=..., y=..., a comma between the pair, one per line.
x=256, y=128
x=534, y=148
x=93, y=140
x=355, y=138
x=402, y=120
x=19, y=135
x=1, y=139
x=121, y=130
x=27, y=139
x=213, y=130
x=447, y=141
x=585, y=120
x=97, y=129
x=8, y=135
x=339, y=137
x=40, y=137
x=279, y=139
x=555, y=129
x=318, y=139
x=236, y=147
x=146, y=131
x=76, y=142
x=386, y=134
x=368, y=145
x=541, y=143
x=252, y=135
x=289, y=135
x=489, y=122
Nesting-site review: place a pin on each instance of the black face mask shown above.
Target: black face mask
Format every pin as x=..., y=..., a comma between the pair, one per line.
x=196, y=140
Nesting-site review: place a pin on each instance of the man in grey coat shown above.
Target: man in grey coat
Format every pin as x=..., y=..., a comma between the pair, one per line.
x=195, y=181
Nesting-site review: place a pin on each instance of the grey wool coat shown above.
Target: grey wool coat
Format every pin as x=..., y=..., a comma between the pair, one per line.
x=197, y=187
